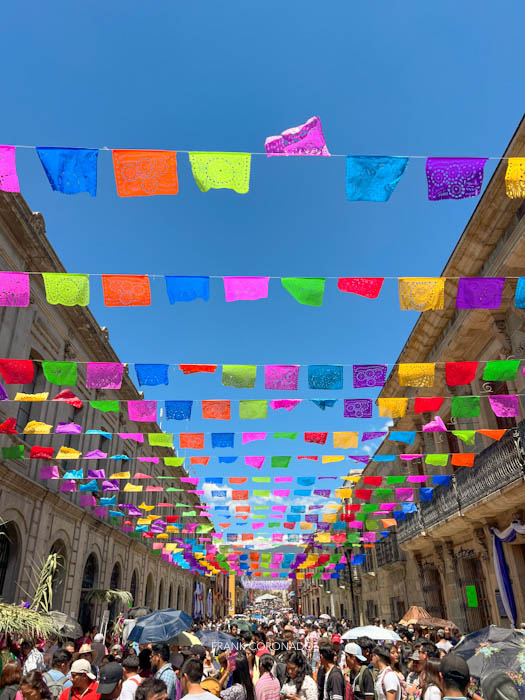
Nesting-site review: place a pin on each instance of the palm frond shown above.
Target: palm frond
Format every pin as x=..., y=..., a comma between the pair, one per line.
x=107, y=595
x=26, y=623
x=43, y=584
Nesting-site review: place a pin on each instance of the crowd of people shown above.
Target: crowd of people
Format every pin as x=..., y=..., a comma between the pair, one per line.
x=284, y=658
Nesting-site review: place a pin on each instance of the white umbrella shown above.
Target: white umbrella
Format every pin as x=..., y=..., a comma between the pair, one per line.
x=324, y=616
x=373, y=632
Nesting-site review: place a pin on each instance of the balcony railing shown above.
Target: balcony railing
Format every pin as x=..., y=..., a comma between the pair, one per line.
x=495, y=467
x=388, y=552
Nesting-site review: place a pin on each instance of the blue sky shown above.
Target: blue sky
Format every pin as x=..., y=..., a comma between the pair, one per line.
x=406, y=78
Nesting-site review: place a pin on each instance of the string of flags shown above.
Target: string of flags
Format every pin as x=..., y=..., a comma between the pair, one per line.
x=141, y=173
x=109, y=375
x=415, y=293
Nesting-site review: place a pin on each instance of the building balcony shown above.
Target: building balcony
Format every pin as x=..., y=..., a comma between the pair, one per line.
x=388, y=552
x=496, y=467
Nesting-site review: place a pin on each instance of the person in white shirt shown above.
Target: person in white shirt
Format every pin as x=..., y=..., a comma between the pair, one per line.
x=388, y=686
x=33, y=659
x=132, y=678
x=443, y=644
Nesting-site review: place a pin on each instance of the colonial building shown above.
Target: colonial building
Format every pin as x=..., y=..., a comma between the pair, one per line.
x=38, y=519
x=447, y=545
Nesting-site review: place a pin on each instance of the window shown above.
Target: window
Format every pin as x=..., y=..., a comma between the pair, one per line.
x=133, y=587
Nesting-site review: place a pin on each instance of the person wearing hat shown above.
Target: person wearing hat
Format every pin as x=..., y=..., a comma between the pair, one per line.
x=361, y=677
x=84, y=683
x=415, y=665
x=387, y=686
x=86, y=652
x=455, y=674
x=340, y=658
x=110, y=681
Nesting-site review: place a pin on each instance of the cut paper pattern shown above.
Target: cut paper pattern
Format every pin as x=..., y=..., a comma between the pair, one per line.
x=325, y=377
x=178, y=410
x=406, y=436
x=35, y=427
x=160, y=439
x=14, y=286
x=61, y=373
x=345, y=440
x=126, y=290
x=245, y=288
x=421, y=293
x=493, y=434
x=104, y=375
x=466, y=436
x=41, y=396
x=304, y=140
x=70, y=170
x=222, y=439
x=251, y=437
x=287, y=404
x=357, y=408
x=463, y=459
x=460, y=373
x=306, y=290
x=317, y=438
x=67, y=396
x=106, y=406
x=253, y=409
x=17, y=371
x=8, y=177
x=239, y=376
x=372, y=436
x=216, y=410
x=152, y=375
x=196, y=369
x=366, y=376
x=465, y=407
x=142, y=411
x=519, y=297
x=479, y=292
x=368, y=287
x=221, y=171
x=454, y=178
x=281, y=377
x=501, y=371
x=505, y=406
x=66, y=289
x=515, y=178
x=392, y=408
x=373, y=178
x=435, y=426
x=187, y=288
x=253, y=461
x=417, y=374
x=280, y=462
x=429, y=404
x=323, y=404
x=192, y=441
x=144, y=173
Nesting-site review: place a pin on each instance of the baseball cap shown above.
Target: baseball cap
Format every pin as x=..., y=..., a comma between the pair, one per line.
x=355, y=650
x=82, y=666
x=110, y=675
x=336, y=638
x=199, y=651
x=414, y=656
x=453, y=667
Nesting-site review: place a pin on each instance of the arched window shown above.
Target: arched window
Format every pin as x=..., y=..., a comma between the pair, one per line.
x=59, y=579
x=160, y=606
x=133, y=586
x=89, y=581
x=114, y=584
x=9, y=561
x=149, y=597
x=170, y=596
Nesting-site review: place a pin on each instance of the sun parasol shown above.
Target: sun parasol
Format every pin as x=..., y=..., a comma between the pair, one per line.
x=495, y=649
x=184, y=639
x=413, y=615
x=160, y=626
x=373, y=632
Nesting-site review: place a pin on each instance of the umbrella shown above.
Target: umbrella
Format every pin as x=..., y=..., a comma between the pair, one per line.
x=135, y=613
x=215, y=639
x=373, y=632
x=324, y=616
x=160, y=626
x=66, y=625
x=495, y=649
x=414, y=616
x=184, y=639
x=242, y=625
x=437, y=622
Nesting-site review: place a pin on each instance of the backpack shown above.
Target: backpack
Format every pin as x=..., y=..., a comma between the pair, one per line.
x=55, y=686
x=403, y=694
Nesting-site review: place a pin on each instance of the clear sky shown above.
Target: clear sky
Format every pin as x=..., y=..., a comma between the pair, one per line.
x=399, y=78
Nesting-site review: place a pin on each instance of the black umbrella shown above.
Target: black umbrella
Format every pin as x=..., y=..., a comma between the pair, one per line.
x=495, y=649
x=160, y=626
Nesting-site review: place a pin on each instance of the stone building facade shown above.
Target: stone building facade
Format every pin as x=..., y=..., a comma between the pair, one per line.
x=445, y=547
x=37, y=519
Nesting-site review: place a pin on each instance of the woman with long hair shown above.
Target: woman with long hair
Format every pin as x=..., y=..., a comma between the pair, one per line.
x=33, y=687
x=10, y=680
x=267, y=687
x=431, y=687
x=238, y=673
x=395, y=661
x=298, y=683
